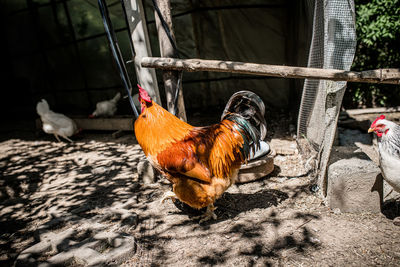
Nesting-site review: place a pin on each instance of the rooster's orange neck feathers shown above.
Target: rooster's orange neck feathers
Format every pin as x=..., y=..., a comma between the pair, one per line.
x=156, y=129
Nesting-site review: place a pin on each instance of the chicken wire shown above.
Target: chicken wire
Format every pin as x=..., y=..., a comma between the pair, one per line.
x=332, y=47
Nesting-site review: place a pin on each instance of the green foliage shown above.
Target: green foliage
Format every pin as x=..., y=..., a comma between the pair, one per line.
x=378, y=46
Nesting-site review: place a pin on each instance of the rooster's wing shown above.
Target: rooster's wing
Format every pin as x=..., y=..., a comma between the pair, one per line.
x=181, y=159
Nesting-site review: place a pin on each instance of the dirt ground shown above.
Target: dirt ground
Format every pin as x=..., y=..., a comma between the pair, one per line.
x=274, y=221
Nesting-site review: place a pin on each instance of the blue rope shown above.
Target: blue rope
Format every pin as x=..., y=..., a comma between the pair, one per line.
x=117, y=53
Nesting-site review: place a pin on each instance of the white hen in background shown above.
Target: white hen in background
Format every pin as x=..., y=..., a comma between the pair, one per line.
x=55, y=123
x=388, y=134
x=106, y=108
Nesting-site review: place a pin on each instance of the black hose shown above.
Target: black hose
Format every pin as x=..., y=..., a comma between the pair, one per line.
x=166, y=29
x=117, y=53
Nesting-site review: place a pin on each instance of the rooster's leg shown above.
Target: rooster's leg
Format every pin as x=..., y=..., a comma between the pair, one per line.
x=208, y=214
x=168, y=195
x=58, y=139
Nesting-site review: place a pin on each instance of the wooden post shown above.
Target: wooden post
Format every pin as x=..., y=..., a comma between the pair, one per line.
x=390, y=76
x=140, y=39
x=166, y=50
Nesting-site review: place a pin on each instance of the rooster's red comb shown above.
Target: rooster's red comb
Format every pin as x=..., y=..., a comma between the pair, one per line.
x=381, y=117
x=143, y=94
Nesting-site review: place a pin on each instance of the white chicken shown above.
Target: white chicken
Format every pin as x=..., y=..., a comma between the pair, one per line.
x=55, y=123
x=106, y=108
x=388, y=134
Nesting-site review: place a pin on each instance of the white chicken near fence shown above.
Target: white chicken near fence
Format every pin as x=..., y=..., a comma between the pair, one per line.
x=55, y=123
x=106, y=108
x=388, y=134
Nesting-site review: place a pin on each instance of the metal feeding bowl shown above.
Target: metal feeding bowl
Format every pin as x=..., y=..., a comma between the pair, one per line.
x=260, y=165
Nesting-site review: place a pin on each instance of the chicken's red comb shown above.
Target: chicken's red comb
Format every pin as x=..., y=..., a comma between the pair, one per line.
x=143, y=94
x=381, y=117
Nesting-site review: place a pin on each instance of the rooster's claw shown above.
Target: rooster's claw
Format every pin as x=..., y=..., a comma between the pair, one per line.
x=168, y=195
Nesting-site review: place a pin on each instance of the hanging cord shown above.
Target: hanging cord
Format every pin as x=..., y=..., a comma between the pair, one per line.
x=129, y=38
x=166, y=28
x=117, y=53
x=176, y=54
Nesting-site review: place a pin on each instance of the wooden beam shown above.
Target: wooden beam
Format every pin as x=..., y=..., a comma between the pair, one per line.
x=103, y=124
x=362, y=111
x=166, y=50
x=388, y=76
x=140, y=38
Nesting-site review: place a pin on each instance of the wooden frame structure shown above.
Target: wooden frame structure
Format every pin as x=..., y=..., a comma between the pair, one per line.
x=136, y=21
x=139, y=35
x=170, y=65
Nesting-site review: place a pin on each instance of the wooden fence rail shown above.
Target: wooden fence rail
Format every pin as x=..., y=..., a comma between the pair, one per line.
x=388, y=76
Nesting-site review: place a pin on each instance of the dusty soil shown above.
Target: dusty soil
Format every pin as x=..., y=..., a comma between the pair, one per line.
x=273, y=221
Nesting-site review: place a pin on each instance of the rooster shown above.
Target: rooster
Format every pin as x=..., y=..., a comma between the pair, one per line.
x=55, y=123
x=106, y=108
x=200, y=162
x=388, y=134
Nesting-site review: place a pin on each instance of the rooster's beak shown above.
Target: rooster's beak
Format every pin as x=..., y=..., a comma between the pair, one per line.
x=370, y=130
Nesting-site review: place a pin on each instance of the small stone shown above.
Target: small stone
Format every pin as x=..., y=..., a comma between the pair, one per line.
x=396, y=221
x=117, y=242
x=99, y=170
x=354, y=182
x=315, y=240
x=280, y=158
x=281, y=180
x=336, y=211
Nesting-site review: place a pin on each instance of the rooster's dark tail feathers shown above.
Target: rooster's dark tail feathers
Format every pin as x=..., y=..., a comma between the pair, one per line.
x=247, y=110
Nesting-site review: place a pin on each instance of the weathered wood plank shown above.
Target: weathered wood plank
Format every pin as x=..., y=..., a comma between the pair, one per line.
x=352, y=112
x=166, y=50
x=389, y=76
x=102, y=124
x=140, y=38
x=106, y=124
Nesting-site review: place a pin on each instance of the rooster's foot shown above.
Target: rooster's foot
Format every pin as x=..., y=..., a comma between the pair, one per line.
x=168, y=195
x=209, y=214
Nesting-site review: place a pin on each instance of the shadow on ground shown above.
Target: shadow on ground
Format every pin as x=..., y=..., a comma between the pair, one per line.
x=46, y=186
x=80, y=190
